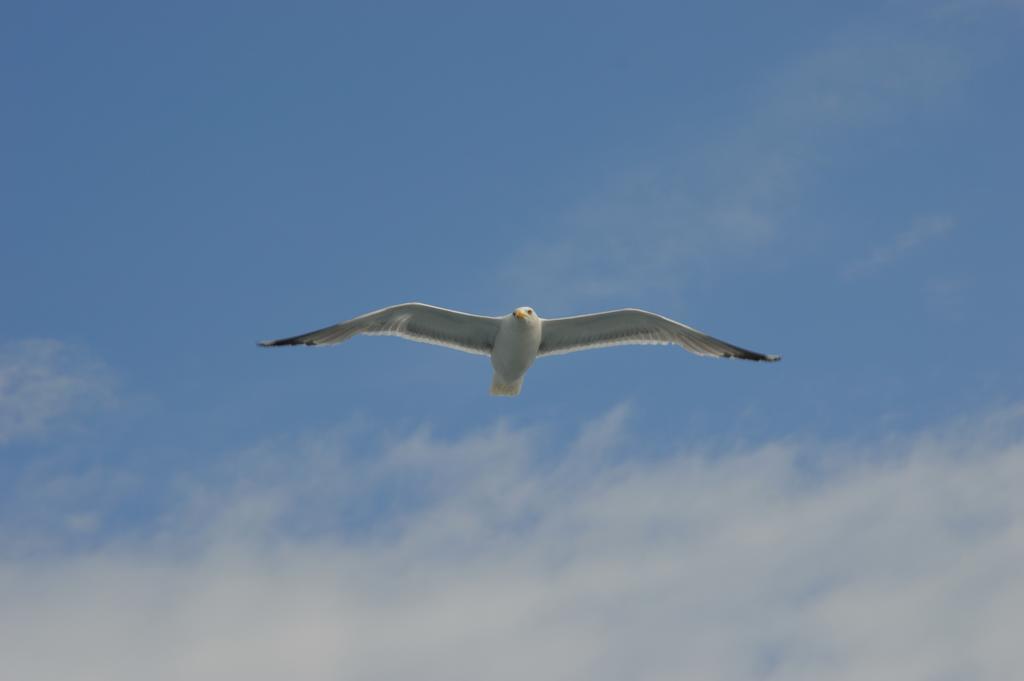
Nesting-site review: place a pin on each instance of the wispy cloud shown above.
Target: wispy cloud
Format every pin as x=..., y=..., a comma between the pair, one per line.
x=655, y=226
x=923, y=231
x=43, y=381
x=506, y=557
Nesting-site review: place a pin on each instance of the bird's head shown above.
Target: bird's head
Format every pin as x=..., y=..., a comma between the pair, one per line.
x=524, y=313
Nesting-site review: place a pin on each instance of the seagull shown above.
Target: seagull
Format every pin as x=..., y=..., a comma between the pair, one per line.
x=515, y=340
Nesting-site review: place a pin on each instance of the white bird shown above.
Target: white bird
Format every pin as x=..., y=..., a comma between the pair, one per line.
x=515, y=340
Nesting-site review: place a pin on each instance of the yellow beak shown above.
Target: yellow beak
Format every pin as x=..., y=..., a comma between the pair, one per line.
x=519, y=314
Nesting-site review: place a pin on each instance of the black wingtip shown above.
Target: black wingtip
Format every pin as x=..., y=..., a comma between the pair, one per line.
x=297, y=340
x=758, y=357
x=754, y=356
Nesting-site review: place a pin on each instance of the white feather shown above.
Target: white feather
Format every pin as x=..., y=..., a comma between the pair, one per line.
x=414, y=321
x=633, y=327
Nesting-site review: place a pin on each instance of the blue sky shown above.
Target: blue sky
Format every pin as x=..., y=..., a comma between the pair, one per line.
x=836, y=184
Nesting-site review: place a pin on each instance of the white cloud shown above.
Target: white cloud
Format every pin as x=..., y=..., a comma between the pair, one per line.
x=41, y=383
x=507, y=557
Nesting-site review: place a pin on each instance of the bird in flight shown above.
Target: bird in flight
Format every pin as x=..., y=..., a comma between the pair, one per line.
x=515, y=340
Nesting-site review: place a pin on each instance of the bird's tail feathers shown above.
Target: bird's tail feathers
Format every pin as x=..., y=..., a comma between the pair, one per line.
x=499, y=387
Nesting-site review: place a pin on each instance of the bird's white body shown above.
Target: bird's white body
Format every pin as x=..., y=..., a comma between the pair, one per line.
x=514, y=341
x=515, y=349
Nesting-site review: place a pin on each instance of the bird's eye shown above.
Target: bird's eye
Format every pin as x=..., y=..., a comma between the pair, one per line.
x=529, y=312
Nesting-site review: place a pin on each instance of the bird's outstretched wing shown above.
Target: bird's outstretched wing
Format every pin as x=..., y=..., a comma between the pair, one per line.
x=415, y=321
x=633, y=327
